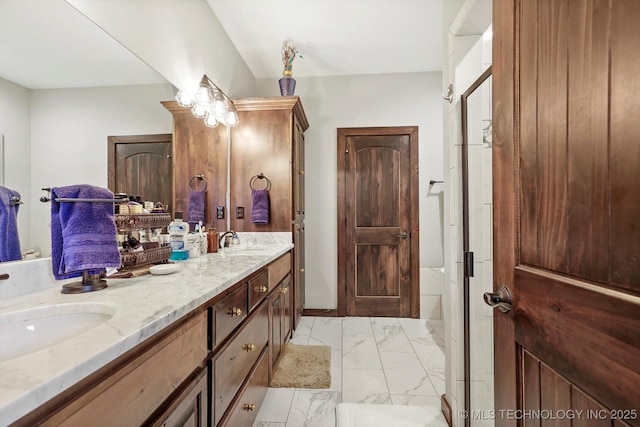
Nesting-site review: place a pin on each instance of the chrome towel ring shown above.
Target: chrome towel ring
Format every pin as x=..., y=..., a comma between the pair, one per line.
x=198, y=178
x=255, y=179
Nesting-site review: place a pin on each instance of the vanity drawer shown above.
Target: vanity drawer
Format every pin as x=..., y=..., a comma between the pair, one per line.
x=246, y=408
x=258, y=288
x=228, y=313
x=278, y=269
x=234, y=362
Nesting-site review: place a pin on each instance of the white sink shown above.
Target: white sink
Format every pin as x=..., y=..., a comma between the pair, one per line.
x=246, y=250
x=29, y=330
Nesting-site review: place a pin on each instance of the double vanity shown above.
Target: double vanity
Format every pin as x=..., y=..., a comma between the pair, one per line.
x=197, y=347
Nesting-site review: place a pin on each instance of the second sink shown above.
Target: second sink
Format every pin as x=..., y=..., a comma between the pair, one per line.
x=29, y=330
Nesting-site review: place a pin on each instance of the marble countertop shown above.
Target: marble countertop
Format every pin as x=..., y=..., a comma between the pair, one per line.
x=141, y=307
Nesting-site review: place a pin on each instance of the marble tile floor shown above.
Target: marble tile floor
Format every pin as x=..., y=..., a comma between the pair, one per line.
x=375, y=360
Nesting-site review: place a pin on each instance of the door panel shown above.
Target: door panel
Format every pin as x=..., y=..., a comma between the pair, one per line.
x=378, y=222
x=567, y=206
x=141, y=165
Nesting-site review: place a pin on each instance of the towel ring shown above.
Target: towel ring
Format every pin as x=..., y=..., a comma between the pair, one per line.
x=199, y=178
x=253, y=179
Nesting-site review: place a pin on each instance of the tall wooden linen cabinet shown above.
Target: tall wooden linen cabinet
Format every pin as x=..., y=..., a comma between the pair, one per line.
x=269, y=140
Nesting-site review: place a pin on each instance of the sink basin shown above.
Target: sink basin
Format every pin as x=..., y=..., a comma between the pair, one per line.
x=26, y=331
x=246, y=250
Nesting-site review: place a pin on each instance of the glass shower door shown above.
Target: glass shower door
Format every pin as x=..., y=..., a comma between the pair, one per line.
x=478, y=249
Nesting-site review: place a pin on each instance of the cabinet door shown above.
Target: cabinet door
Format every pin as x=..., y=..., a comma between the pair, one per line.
x=298, y=273
x=287, y=296
x=276, y=313
x=190, y=408
x=298, y=172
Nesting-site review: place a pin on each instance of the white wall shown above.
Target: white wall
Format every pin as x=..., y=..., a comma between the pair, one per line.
x=69, y=130
x=15, y=113
x=360, y=101
x=181, y=40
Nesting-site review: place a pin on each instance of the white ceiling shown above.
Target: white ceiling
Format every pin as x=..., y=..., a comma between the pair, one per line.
x=49, y=44
x=335, y=37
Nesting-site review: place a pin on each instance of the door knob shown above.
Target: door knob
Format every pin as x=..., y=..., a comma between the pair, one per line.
x=403, y=235
x=501, y=300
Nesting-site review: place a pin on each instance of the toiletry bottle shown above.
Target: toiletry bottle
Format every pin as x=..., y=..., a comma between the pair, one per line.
x=212, y=240
x=203, y=238
x=178, y=230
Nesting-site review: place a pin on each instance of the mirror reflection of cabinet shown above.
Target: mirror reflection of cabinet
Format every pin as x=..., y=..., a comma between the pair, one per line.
x=269, y=140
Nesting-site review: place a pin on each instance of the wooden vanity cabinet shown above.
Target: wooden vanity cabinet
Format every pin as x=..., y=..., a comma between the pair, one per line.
x=269, y=139
x=242, y=363
x=131, y=389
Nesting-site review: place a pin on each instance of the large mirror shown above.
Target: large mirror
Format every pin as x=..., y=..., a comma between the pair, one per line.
x=65, y=87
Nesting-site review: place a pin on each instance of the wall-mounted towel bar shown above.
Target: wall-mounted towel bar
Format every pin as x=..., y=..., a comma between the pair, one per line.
x=45, y=199
x=15, y=201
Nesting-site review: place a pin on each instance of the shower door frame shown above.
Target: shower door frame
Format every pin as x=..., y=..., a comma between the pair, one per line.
x=467, y=255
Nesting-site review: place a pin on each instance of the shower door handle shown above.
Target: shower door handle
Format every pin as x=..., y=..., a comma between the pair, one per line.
x=501, y=300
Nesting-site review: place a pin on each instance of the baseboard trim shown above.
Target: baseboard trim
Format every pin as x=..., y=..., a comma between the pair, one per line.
x=322, y=312
x=446, y=409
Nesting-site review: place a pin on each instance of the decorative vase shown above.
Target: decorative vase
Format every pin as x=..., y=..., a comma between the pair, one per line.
x=287, y=84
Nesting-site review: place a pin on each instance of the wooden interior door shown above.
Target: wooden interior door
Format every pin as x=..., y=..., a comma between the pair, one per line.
x=141, y=165
x=377, y=222
x=567, y=210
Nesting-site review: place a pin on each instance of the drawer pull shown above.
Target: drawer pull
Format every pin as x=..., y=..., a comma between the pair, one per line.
x=284, y=290
x=235, y=311
x=249, y=347
x=261, y=289
x=249, y=406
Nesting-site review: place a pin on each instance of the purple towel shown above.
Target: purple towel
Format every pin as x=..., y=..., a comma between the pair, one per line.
x=260, y=206
x=9, y=240
x=83, y=234
x=196, y=207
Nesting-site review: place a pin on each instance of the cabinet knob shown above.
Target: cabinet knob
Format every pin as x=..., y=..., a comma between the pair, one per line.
x=235, y=311
x=284, y=290
x=301, y=172
x=261, y=289
x=249, y=406
x=249, y=347
x=301, y=270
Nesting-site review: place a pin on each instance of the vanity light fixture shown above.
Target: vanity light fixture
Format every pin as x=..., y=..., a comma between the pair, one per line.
x=210, y=103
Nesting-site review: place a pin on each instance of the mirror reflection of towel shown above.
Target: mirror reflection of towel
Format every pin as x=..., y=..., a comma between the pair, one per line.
x=83, y=234
x=260, y=206
x=9, y=239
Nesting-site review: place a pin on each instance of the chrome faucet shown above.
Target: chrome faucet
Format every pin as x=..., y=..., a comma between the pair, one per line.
x=227, y=239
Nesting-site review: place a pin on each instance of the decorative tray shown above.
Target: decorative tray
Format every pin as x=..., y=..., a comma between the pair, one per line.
x=126, y=222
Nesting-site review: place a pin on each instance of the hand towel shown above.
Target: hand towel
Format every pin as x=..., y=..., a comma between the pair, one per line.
x=83, y=234
x=196, y=207
x=260, y=206
x=9, y=239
